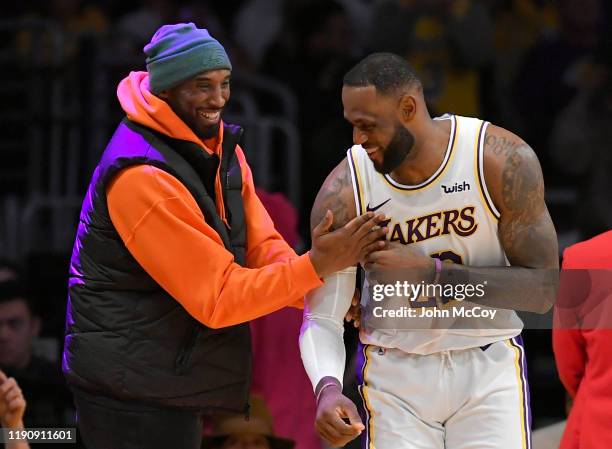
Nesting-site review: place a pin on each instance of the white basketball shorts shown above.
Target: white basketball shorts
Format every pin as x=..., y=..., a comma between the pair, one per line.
x=475, y=398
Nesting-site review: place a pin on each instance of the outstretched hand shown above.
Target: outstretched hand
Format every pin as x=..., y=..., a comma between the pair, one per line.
x=336, y=250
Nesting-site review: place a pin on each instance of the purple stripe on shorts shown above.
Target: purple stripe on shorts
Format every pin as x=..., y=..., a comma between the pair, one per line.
x=517, y=342
x=363, y=410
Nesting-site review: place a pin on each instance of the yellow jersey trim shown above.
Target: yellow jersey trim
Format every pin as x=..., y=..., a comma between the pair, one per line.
x=479, y=169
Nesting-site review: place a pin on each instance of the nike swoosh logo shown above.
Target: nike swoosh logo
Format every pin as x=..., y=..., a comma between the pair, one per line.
x=372, y=209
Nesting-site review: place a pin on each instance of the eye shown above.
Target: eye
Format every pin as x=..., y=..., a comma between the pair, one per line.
x=16, y=323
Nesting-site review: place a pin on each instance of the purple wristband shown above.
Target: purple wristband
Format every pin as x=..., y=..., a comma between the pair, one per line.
x=328, y=384
x=438, y=263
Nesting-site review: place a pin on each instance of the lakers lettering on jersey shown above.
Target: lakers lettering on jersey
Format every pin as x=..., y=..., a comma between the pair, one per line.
x=461, y=222
x=450, y=215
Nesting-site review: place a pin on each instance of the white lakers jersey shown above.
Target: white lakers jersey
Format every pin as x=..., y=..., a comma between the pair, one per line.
x=449, y=216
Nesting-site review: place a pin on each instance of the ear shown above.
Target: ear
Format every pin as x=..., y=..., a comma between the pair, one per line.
x=407, y=108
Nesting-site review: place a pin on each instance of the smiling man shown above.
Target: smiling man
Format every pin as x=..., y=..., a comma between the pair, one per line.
x=455, y=379
x=174, y=254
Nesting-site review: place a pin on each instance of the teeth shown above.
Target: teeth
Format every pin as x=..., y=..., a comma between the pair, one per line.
x=210, y=115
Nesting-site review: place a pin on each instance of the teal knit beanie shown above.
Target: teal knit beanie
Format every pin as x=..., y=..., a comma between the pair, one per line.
x=179, y=52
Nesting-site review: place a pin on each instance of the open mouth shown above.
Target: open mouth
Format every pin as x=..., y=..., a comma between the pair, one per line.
x=372, y=151
x=210, y=116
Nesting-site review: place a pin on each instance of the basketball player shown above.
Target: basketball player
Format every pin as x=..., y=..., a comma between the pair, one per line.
x=464, y=201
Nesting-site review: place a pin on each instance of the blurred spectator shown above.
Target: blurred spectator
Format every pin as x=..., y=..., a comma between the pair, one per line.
x=49, y=400
x=203, y=15
x=12, y=407
x=278, y=372
x=311, y=57
x=391, y=24
x=226, y=11
x=78, y=17
x=75, y=18
x=134, y=29
x=580, y=142
x=448, y=42
x=360, y=14
x=584, y=354
x=545, y=83
x=8, y=270
x=236, y=432
x=518, y=26
x=19, y=326
x=283, y=214
x=257, y=24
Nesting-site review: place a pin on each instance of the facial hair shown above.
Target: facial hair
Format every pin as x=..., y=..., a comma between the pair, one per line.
x=397, y=150
x=209, y=132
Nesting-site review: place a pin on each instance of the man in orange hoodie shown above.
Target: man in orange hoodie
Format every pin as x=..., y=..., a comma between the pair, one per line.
x=175, y=253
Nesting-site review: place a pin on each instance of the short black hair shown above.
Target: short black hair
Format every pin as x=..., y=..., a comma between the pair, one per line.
x=15, y=290
x=387, y=72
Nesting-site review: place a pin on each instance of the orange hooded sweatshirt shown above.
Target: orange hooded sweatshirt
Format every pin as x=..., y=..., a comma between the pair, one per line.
x=162, y=226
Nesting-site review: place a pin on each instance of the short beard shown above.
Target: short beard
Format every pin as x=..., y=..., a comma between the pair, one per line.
x=397, y=151
x=209, y=132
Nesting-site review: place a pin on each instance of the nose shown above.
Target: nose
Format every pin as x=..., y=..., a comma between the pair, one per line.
x=217, y=99
x=359, y=137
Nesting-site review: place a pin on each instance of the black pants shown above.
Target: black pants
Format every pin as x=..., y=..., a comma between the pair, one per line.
x=106, y=423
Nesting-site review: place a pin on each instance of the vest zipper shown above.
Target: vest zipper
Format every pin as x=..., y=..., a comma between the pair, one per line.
x=185, y=352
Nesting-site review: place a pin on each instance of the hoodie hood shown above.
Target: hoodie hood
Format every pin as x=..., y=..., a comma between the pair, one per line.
x=143, y=107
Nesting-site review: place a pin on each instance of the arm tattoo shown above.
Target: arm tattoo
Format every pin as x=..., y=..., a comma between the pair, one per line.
x=526, y=232
x=336, y=195
x=522, y=183
x=500, y=145
x=526, y=229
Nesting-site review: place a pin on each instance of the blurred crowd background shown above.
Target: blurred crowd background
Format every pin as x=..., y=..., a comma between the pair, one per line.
x=540, y=68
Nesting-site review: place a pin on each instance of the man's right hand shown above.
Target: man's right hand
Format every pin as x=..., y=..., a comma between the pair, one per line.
x=344, y=247
x=332, y=410
x=12, y=403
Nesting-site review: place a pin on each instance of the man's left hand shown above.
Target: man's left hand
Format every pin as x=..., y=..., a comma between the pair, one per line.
x=397, y=256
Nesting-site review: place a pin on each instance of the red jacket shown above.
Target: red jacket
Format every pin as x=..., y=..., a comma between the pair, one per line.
x=584, y=355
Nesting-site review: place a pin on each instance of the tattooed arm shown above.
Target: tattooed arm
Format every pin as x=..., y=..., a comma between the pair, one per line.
x=321, y=336
x=514, y=180
x=336, y=194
